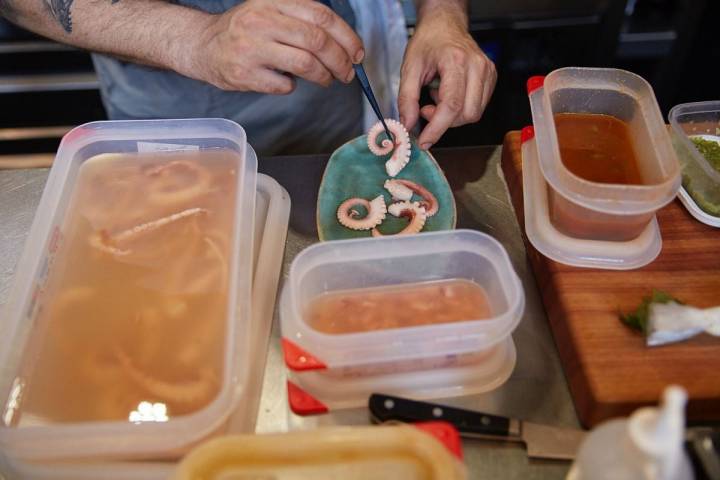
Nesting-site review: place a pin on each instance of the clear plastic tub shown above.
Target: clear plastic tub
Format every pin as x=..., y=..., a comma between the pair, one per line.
x=700, y=180
x=387, y=452
x=560, y=247
x=46, y=440
x=429, y=360
x=272, y=210
x=603, y=211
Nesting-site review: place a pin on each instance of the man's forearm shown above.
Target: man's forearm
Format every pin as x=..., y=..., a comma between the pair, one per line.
x=152, y=32
x=454, y=11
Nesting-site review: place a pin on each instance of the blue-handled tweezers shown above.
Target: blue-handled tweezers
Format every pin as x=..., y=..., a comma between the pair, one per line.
x=345, y=11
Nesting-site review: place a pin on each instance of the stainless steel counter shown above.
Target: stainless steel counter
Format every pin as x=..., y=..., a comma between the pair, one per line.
x=537, y=390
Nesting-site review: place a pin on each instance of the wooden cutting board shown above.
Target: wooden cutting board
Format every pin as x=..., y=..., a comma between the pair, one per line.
x=609, y=369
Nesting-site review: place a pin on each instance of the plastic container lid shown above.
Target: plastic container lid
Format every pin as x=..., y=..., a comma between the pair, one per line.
x=123, y=439
x=701, y=182
x=696, y=211
x=397, y=452
x=272, y=210
x=625, y=96
x=316, y=392
x=562, y=248
x=380, y=262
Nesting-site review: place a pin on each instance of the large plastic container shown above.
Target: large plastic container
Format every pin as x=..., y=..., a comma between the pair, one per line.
x=48, y=441
x=603, y=211
x=701, y=182
x=395, y=452
x=342, y=370
x=272, y=210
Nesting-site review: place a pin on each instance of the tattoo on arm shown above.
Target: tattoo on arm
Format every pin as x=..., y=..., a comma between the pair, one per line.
x=61, y=11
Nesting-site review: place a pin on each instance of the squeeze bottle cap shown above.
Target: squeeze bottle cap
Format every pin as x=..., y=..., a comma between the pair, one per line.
x=659, y=432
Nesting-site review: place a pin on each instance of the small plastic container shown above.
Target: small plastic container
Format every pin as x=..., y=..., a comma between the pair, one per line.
x=46, y=441
x=560, y=247
x=701, y=182
x=603, y=211
x=342, y=370
x=400, y=452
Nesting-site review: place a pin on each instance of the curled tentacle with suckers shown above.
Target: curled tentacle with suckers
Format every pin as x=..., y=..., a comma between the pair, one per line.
x=376, y=211
x=399, y=146
x=411, y=210
x=429, y=202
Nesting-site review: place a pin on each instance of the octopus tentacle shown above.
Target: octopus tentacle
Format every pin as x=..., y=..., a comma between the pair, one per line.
x=411, y=210
x=398, y=190
x=155, y=224
x=399, y=146
x=429, y=202
x=188, y=393
x=164, y=192
x=102, y=240
x=376, y=211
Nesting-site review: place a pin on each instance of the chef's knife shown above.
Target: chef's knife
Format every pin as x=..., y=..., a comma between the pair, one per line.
x=345, y=11
x=542, y=441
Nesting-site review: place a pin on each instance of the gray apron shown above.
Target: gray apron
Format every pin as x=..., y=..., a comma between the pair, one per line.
x=312, y=119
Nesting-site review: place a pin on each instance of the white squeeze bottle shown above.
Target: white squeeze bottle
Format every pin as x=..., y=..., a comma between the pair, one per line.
x=647, y=446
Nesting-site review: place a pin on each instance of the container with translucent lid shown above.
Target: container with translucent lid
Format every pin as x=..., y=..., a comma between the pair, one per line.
x=594, y=210
x=397, y=315
x=696, y=129
x=389, y=452
x=125, y=334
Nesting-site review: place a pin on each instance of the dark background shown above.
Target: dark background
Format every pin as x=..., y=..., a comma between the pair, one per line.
x=671, y=43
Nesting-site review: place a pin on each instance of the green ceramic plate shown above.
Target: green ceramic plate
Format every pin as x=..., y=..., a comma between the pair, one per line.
x=353, y=171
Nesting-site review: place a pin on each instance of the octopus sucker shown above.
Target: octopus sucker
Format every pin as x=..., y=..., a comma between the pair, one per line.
x=166, y=193
x=376, y=212
x=429, y=202
x=413, y=211
x=400, y=145
x=190, y=394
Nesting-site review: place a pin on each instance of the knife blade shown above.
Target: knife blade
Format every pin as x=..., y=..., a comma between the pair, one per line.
x=541, y=441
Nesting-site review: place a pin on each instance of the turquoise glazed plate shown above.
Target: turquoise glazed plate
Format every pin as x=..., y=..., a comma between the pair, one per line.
x=353, y=171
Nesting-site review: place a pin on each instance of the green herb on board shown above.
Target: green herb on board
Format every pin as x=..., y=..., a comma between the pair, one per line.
x=710, y=150
x=638, y=319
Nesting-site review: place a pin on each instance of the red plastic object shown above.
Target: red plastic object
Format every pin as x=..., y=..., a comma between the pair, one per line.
x=534, y=83
x=298, y=359
x=446, y=433
x=527, y=133
x=302, y=403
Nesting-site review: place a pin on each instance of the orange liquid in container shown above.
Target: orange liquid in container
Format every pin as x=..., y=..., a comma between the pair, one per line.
x=132, y=326
x=400, y=306
x=597, y=148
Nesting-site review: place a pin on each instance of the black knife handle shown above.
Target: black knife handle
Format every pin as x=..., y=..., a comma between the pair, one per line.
x=386, y=408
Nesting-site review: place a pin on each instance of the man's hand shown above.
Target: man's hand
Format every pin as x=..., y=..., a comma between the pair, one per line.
x=254, y=46
x=442, y=46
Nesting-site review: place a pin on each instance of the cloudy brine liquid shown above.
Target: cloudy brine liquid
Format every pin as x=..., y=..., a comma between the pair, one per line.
x=132, y=326
x=411, y=305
